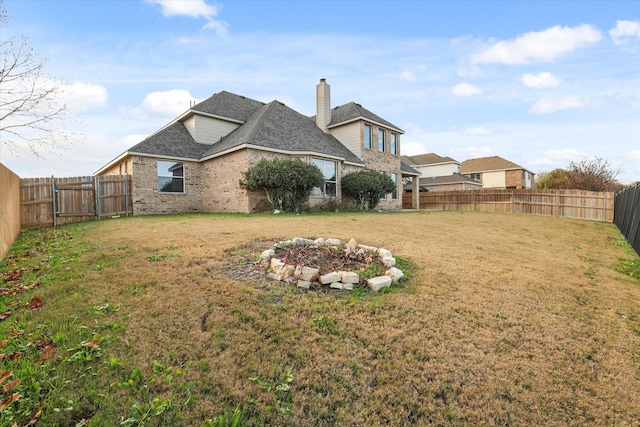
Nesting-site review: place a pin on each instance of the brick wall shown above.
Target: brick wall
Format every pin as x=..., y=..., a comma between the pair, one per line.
x=147, y=199
x=385, y=162
x=513, y=178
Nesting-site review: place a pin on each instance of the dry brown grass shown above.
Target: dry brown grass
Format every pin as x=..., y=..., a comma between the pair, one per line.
x=509, y=319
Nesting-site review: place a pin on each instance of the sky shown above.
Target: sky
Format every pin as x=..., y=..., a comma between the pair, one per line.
x=540, y=83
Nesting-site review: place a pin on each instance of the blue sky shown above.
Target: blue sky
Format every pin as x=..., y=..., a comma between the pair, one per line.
x=539, y=83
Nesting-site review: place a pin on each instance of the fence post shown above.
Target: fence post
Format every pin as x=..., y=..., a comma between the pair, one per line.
x=513, y=202
x=126, y=195
x=54, y=197
x=604, y=216
x=557, y=204
x=96, y=192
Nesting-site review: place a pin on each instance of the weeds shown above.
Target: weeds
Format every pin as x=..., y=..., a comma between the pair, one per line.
x=278, y=385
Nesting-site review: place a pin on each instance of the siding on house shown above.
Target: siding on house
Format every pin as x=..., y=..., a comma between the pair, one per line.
x=351, y=136
x=208, y=130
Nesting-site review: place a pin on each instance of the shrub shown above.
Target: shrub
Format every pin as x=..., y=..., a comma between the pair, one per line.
x=367, y=187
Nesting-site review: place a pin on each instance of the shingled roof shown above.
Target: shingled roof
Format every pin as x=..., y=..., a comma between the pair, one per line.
x=427, y=159
x=228, y=105
x=487, y=164
x=276, y=126
x=271, y=126
x=352, y=111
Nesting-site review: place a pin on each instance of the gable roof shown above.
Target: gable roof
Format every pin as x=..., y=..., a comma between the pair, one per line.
x=408, y=170
x=228, y=105
x=455, y=178
x=351, y=111
x=173, y=141
x=278, y=127
x=427, y=159
x=488, y=164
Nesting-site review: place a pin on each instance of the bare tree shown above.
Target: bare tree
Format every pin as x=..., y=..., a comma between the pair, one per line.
x=592, y=174
x=32, y=105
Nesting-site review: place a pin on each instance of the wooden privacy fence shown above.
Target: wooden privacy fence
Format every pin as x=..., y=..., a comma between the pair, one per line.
x=627, y=215
x=589, y=205
x=53, y=201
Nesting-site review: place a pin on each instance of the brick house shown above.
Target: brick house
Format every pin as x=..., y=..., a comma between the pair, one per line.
x=496, y=172
x=195, y=163
x=439, y=173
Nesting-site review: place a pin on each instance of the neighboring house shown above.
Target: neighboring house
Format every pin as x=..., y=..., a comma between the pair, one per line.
x=496, y=172
x=195, y=163
x=439, y=173
x=431, y=164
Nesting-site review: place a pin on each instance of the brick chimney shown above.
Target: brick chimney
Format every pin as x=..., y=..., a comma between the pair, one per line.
x=323, y=104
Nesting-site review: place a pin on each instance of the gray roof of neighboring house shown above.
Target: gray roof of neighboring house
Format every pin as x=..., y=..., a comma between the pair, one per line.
x=487, y=164
x=408, y=170
x=427, y=159
x=455, y=178
x=351, y=111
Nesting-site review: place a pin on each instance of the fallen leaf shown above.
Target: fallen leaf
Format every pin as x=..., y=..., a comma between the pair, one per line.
x=91, y=344
x=43, y=341
x=3, y=356
x=35, y=418
x=16, y=333
x=13, y=303
x=4, y=375
x=36, y=303
x=48, y=351
x=3, y=343
x=17, y=356
x=9, y=400
x=5, y=315
x=11, y=384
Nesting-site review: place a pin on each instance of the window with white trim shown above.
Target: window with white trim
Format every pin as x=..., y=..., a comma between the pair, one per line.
x=170, y=177
x=394, y=193
x=394, y=144
x=329, y=171
x=367, y=137
x=381, y=140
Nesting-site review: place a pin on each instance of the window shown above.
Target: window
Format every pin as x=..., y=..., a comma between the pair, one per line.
x=394, y=193
x=394, y=144
x=381, y=140
x=475, y=176
x=328, y=169
x=170, y=177
x=367, y=137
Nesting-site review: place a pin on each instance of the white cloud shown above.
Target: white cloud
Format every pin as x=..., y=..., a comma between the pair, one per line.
x=412, y=148
x=540, y=80
x=545, y=46
x=408, y=76
x=471, y=152
x=624, y=30
x=559, y=158
x=634, y=155
x=193, y=9
x=86, y=95
x=477, y=131
x=551, y=105
x=168, y=104
x=466, y=89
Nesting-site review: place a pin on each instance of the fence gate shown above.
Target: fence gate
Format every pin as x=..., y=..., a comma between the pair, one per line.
x=54, y=201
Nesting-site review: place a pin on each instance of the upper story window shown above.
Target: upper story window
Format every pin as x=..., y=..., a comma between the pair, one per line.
x=170, y=177
x=367, y=137
x=475, y=176
x=394, y=144
x=329, y=170
x=381, y=140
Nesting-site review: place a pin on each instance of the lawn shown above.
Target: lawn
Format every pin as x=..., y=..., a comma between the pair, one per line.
x=504, y=320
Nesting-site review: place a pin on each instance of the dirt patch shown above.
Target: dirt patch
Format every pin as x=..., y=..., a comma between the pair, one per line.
x=244, y=263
